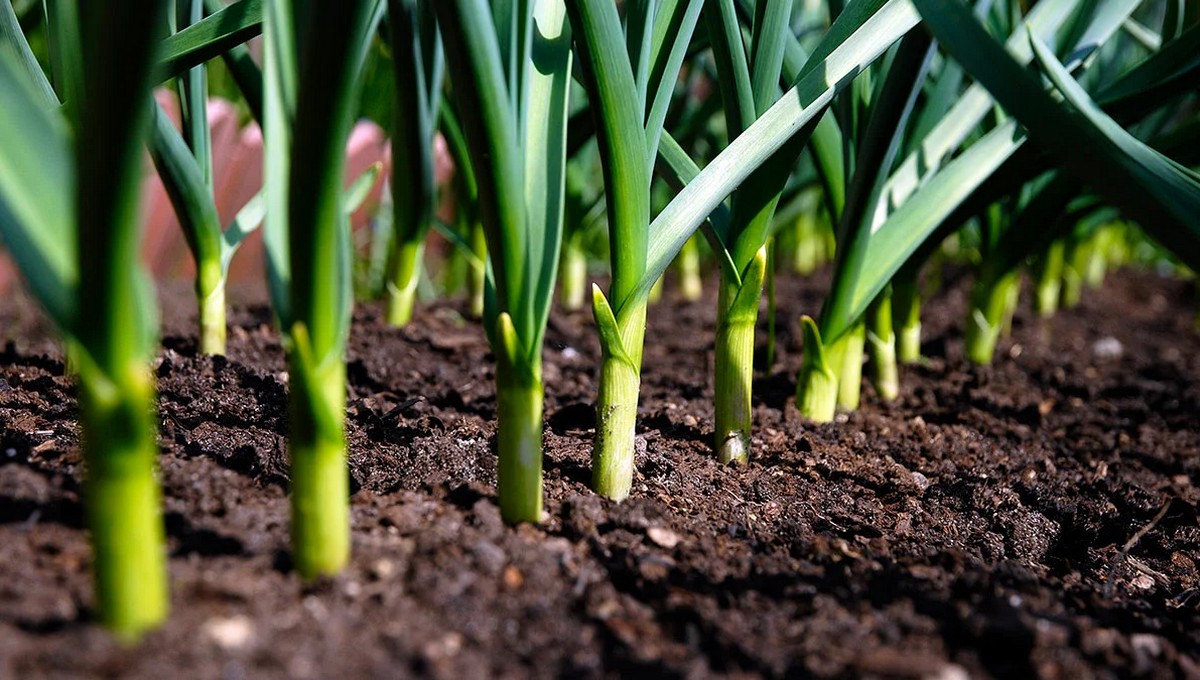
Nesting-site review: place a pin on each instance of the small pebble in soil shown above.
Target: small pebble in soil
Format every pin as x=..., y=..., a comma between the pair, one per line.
x=443, y=647
x=1107, y=347
x=920, y=480
x=229, y=632
x=513, y=578
x=950, y=671
x=382, y=569
x=1142, y=582
x=663, y=538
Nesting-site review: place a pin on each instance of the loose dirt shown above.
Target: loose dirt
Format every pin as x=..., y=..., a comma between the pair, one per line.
x=1005, y=521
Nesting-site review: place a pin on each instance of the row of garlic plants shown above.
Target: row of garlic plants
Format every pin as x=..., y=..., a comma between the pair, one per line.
x=865, y=131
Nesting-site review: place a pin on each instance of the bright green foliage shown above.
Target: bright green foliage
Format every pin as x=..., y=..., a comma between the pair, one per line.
x=749, y=83
x=417, y=66
x=639, y=64
x=223, y=31
x=184, y=163
x=873, y=131
x=1049, y=280
x=853, y=42
x=79, y=252
x=1089, y=144
x=310, y=82
x=818, y=401
x=510, y=66
x=906, y=313
x=881, y=344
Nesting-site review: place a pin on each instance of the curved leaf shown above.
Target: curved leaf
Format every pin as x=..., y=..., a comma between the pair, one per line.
x=37, y=182
x=210, y=37
x=787, y=117
x=1161, y=194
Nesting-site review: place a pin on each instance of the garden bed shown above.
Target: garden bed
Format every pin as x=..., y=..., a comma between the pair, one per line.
x=977, y=526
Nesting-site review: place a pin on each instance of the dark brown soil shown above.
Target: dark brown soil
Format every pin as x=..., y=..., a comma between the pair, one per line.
x=975, y=527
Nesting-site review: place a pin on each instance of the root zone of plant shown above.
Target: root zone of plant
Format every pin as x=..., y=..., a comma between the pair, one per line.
x=1034, y=518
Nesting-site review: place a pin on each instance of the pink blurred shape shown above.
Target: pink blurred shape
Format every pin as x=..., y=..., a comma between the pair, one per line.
x=237, y=177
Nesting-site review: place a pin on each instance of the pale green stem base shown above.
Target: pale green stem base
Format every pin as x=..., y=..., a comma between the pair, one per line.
x=906, y=312
x=212, y=320
x=850, y=353
x=1012, y=297
x=881, y=344
x=691, y=286
x=573, y=276
x=124, y=501
x=402, y=283
x=616, y=425
x=1072, y=288
x=981, y=337
x=885, y=375
x=320, y=484
x=817, y=384
x=809, y=254
x=478, y=274
x=808, y=247
x=656, y=291
x=734, y=372
x=1049, y=283
x=985, y=318
x=519, y=444
x=616, y=408
x=908, y=343
x=1046, y=298
x=772, y=308
x=1096, y=266
x=453, y=274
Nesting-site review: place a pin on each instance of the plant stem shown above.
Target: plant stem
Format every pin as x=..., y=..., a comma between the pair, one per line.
x=616, y=422
x=881, y=341
x=453, y=276
x=849, y=350
x=573, y=273
x=477, y=276
x=518, y=429
x=405, y=273
x=737, y=314
x=656, y=291
x=124, y=502
x=986, y=316
x=817, y=386
x=1012, y=293
x=808, y=244
x=1074, y=260
x=115, y=333
x=906, y=308
x=1096, y=266
x=691, y=287
x=1049, y=281
x=772, y=247
x=616, y=406
x=1072, y=287
x=734, y=376
x=320, y=476
x=210, y=289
